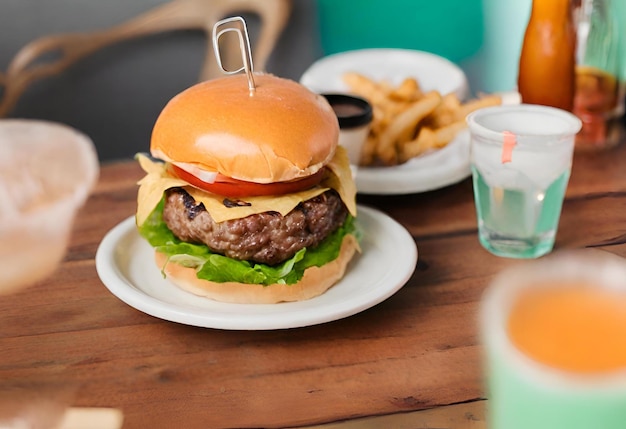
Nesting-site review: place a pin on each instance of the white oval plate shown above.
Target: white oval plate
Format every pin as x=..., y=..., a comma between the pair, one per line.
x=425, y=173
x=393, y=65
x=125, y=264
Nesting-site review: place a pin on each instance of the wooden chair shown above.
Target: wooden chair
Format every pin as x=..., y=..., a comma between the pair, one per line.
x=29, y=64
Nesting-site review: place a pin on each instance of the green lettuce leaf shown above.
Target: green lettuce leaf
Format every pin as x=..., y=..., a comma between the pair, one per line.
x=218, y=268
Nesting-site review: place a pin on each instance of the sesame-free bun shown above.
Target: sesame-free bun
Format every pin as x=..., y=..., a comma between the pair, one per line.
x=316, y=281
x=280, y=132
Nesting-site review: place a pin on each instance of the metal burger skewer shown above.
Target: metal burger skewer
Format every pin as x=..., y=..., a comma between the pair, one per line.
x=237, y=25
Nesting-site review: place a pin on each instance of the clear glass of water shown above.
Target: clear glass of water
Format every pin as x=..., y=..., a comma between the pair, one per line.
x=521, y=158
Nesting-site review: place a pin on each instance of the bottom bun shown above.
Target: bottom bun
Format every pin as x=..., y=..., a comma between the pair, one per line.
x=314, y=282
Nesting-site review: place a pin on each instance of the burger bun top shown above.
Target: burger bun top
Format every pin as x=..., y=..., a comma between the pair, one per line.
x=280, y=132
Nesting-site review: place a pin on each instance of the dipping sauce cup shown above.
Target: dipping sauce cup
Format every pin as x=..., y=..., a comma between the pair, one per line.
x=521, y=157
x=554, y=338
x=355, y=117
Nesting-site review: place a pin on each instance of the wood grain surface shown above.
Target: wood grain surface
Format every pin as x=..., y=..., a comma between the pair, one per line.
x=418, y=350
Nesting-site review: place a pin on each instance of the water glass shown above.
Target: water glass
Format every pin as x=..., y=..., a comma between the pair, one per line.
x=521, y=157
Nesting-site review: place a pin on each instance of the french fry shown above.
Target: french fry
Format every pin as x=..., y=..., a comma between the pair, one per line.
x=408, y=122
x=479, y=103
x=429, y=139
x=408, y=119
x=425, y=141
x=385, y=88
x=368, y=152
x=409, y=90
x=361, y=85
x=445, y=113
x=445, y=135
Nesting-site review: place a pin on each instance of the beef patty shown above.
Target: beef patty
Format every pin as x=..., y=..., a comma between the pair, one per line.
x=268, y=237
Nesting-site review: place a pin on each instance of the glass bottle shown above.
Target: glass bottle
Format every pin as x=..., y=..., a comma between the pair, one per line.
x=597, y=102
x=547, y=60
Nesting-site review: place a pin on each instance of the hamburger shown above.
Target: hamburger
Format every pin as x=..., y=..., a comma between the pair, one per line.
x=248, y=197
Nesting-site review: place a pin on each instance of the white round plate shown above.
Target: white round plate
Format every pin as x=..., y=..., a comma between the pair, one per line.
x=125, y=264
x=427, y=172
x=393, y=65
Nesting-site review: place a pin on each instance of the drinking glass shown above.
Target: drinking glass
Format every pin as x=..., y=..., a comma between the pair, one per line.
x=521, y=157
x=46, y=172
x=553, y=333
x=598, y=101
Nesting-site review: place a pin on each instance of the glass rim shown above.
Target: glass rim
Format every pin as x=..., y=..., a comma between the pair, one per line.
x=574, y=124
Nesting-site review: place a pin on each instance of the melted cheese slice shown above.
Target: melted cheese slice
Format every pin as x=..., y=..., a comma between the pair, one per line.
x=158, y=179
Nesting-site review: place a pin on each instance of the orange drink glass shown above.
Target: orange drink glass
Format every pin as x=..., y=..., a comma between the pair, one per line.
x=554, y=336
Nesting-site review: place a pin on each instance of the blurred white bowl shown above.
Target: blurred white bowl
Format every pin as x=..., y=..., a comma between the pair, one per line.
x=46, y=172
x=393, y=65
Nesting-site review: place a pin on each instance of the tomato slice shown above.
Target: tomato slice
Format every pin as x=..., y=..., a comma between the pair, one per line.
x=229, y=187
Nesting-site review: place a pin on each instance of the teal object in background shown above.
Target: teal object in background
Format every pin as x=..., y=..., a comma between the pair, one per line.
x=619, y=9
x=450, y=28
x=505, y=23
x=484, y=37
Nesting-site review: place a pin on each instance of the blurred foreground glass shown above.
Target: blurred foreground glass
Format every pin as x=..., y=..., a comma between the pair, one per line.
x=46, y=173
x=553, y=332
x=521, y=158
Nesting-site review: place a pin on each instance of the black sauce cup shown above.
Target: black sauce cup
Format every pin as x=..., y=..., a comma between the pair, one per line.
x=355, y=117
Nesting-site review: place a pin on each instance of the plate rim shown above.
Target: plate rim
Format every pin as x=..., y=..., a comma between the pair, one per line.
x=462, y=90
x=117, y=282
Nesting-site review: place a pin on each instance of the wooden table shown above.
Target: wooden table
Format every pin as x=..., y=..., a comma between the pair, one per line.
x=418, y=350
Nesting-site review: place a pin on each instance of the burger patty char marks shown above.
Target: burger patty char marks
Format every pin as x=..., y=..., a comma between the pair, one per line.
x=268, y=237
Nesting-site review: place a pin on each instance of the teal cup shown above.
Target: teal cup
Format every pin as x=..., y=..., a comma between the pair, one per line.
x=524, y=393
